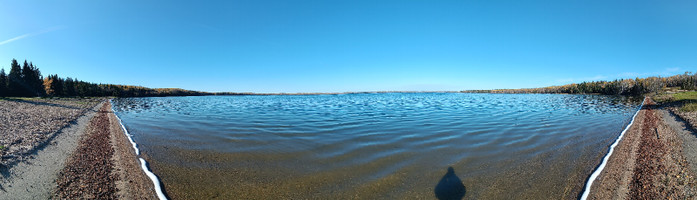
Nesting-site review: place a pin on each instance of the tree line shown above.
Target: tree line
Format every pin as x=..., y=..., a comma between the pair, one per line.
x=22, y=81
x=631, y=87
x=27, y=81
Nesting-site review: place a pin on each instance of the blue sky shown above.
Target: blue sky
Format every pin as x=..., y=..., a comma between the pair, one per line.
x=338, y=46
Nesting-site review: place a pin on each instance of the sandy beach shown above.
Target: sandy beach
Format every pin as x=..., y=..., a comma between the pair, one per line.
x=67, y=149
x=654, y=160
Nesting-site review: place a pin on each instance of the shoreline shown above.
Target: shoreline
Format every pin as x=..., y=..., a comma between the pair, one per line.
x=130, y=157
x=594, y=175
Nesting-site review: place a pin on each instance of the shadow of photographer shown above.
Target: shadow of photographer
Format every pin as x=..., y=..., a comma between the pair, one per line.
x=450, y=186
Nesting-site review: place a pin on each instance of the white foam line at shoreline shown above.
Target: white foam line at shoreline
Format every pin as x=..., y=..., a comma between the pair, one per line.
x=154, y=179
x=596, y=173
x=135, y=146
x=143, y=164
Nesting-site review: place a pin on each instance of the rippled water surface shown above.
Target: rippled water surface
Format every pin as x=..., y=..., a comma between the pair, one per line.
x=367, y=146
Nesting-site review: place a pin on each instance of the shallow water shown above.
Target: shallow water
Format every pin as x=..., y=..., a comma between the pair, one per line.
x=367, y=146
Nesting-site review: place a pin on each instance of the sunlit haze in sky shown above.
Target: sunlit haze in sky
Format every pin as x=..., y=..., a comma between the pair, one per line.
x=339, y=46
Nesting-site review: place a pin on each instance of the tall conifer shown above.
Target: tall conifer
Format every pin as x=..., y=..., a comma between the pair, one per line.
x=14, y=79
x=27, y=75
x=3, y=83
x=37, y=81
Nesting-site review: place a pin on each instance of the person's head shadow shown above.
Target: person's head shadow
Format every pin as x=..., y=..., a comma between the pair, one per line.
x=450, y=186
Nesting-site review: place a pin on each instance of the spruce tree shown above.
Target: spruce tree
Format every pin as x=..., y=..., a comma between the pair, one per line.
x=56, y=85
x=3, y=83
x=14, y=79
x=37, y=80
x=69, y=87
x=27, y=75
x=31, y=77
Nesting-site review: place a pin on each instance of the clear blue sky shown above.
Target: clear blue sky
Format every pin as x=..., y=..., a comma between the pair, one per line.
x=337, y=46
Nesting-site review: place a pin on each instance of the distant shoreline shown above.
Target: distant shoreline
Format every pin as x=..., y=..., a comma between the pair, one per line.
x=376, y=92
x=322, y=93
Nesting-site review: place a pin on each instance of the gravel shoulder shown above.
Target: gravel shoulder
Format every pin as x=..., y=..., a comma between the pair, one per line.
x=652, y=161
x=35, y=154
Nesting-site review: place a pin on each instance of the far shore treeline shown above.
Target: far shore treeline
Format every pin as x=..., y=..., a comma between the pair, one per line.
x=26, y=81
x=630, y=87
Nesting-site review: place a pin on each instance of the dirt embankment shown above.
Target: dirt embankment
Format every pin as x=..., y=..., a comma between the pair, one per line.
x=650, y=161
x=103, y=166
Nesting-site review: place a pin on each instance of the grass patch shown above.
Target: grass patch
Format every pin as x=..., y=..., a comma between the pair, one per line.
x=687, y=100
x=18, y=98
x=26, y=98
x=689, y=107
x=685, y=96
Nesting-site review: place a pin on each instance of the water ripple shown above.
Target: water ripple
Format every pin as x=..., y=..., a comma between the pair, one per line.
x=379, y=137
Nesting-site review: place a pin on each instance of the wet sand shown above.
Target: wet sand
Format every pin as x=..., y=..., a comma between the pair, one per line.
x=132, y=183
x=650, y=162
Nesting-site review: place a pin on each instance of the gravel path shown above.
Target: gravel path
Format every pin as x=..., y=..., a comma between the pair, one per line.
x=87, y=173
x=104, y=165
x=28, y=125
x=688, y=142
x=31, y=166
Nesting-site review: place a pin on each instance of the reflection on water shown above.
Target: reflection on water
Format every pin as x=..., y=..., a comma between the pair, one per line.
x=374, y=145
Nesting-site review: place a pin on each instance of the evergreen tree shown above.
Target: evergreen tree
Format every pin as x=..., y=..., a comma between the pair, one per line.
x=3, y=83
x=58, y=86
x=69, y=87
x=27, y=75
x=37, y=81
x=31, y=76
x=14, y=79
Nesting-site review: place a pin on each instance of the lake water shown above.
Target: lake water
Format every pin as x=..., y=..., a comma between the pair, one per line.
x=375, y=146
